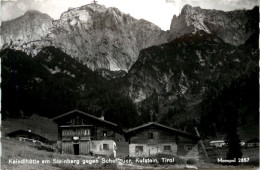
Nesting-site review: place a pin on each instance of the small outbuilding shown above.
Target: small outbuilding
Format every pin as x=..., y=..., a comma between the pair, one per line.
x=27, y=134
x=153, y=138
x=217, y=143
x=252, y=143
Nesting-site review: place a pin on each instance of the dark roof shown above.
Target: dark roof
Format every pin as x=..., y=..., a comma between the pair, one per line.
x=254, y=140
x=83, y=113
x=69, y=126
x=161, y=126
x=21, y=131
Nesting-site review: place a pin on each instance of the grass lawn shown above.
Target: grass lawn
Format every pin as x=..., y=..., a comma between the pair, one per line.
x=12, y=149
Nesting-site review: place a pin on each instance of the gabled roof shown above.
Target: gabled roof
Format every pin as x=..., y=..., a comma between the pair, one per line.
x=163, y=127
x=85, y=114
x=254, y=140
x=217, y=141
x=25, y=132
x=69, y=126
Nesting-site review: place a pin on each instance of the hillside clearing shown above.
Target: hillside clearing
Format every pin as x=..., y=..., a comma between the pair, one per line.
x=13, y=150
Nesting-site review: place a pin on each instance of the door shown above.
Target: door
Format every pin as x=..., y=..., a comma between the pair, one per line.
x=76, y=149
x=152, y=149
x=84, y=147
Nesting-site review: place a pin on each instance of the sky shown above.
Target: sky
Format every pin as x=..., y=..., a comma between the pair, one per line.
x=159, y=12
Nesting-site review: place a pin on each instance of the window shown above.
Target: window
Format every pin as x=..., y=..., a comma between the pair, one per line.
x=104, y=133
x=86, y=132
x=105, y=146
x=139, y=149
x=167, y=148
x=150, y=135
x=187, y=147
x=77, y=120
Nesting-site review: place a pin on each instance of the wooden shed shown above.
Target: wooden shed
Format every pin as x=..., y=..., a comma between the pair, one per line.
x=27, y=134
x=217, y=143
x=252, y=143
x=81, y=134
x=154, y=138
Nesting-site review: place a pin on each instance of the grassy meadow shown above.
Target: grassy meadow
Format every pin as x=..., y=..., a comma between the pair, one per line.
x=13, y=149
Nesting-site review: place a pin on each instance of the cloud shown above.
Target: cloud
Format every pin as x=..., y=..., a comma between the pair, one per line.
x=226, y=5
x=13, y=9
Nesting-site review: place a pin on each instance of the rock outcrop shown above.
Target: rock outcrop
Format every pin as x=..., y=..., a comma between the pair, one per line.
x=106, y=38
x=27, y=32
x=99, y=37
x=234, y=27
x=187, y=65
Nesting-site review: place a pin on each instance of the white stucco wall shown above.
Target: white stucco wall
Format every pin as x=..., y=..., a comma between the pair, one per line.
x=150, y=150
x=97, y=147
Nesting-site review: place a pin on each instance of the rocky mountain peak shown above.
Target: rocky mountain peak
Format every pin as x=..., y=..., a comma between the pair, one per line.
x=234, y=27
x=31, y=17
x=34, y=13
x=22, y=32
x=99, y=37
x=104, y=38
x=186, y=9
x=94, y=7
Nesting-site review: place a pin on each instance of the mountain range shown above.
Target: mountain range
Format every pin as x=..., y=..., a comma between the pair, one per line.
x=233, y=27
x=99, y=37
x=100, y=59
x=106, y=38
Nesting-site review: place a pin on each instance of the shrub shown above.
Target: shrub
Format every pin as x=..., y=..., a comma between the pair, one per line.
x=191, y=161
x=44, y=148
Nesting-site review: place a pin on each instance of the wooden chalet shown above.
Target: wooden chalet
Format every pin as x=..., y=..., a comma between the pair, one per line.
x=154, y=138
x=27, y=134
x=82, y=134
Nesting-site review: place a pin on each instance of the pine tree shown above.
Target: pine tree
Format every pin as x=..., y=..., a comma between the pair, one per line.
x=232, y=138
